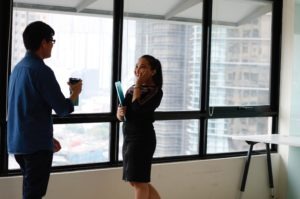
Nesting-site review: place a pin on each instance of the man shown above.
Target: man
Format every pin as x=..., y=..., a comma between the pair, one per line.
x=33, y=93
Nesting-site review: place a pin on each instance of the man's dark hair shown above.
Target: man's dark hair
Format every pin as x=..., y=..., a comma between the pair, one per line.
x=34, y=34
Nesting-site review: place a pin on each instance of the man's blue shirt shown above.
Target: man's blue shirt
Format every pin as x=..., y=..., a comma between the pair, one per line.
x=33, y=93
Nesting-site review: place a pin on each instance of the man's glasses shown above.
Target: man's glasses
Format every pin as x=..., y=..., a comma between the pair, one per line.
x=52, y=41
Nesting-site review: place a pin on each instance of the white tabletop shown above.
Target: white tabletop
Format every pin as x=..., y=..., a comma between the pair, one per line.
x=291, y=140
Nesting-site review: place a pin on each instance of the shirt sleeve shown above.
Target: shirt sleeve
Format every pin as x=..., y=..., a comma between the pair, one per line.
x=52, y=94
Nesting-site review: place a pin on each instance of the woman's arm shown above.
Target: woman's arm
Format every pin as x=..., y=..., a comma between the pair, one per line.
x=136, y=93
x=147, y=105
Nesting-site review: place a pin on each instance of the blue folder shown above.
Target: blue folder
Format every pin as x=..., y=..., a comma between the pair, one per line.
x=120, y=92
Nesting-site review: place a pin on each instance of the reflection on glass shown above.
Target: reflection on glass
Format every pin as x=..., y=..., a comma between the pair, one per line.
x=240, y=53
x=220, y=132
x=82, y=49
x=173, y=138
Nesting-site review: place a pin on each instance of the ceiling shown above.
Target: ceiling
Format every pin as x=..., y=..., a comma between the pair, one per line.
x=226, y=12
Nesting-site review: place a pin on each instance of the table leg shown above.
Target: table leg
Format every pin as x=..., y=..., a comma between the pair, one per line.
x=270, y=170
x=246, y=169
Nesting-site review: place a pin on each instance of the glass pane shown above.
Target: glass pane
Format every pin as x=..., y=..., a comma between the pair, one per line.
x=82, y=143
x=220, y=132
x=173, y=138
x=83, y=49
x=177, y=44
x=240, y=53
x=12, y=163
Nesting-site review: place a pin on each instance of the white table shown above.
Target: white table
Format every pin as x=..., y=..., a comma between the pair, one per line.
x=289, y=140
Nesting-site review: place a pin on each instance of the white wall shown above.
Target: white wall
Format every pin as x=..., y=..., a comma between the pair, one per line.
x=286, y=90
x=207, y=179
x=290, y=100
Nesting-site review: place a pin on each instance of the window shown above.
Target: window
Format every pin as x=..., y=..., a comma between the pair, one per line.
x=83, y=49
x=220, y=73
x=240, y=73
x=220, y=131
x=177, y=46
x=174, y=138
x=174, y=44
x=239, y=55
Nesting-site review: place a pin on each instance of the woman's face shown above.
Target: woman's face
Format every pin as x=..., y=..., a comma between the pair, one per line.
x=143, y=68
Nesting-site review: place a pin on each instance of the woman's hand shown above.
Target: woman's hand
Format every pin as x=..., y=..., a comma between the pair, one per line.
x=121, y=112
x=142, y=77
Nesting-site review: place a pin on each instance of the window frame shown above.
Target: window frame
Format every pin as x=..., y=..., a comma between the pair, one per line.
x=203, y=115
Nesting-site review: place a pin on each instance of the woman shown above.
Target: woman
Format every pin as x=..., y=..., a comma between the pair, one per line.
x=141, y=100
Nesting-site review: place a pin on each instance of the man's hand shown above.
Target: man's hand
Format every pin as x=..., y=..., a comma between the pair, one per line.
x=56, y=145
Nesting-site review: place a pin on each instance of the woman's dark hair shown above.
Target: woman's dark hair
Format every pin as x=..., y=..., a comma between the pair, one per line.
x=34, y=34
x=155, y=65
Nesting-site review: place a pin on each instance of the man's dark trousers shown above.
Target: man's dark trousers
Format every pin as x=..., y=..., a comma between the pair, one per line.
x=36, y=172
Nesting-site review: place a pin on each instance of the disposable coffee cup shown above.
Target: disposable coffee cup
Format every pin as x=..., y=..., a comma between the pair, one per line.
x=72, y=81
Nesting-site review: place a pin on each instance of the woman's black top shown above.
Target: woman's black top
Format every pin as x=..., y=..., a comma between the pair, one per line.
x=139, y=135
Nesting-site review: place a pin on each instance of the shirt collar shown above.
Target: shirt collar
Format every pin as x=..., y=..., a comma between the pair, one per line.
x=32, y=54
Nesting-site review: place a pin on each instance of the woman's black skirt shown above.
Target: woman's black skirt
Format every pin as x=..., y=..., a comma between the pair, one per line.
x=138, y=149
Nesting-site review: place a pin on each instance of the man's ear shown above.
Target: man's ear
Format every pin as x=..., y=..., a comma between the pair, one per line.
x=44, y=42
x=153, y=72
